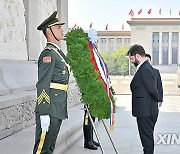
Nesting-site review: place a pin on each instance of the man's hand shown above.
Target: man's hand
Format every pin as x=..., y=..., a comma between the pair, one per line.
x=45, y=122
x=159, y=104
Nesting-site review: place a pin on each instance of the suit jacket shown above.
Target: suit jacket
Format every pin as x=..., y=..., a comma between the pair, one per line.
x=159, y=84
x=52, y=67
x=144, y=92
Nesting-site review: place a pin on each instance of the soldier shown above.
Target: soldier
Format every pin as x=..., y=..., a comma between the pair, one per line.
x=52, y=86
x=89, y=142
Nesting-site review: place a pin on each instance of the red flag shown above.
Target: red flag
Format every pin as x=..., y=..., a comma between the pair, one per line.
x=47, y=59
x=140, y=11
x=106, y=27
x=170, y=12
x=159, y=11
x=90, y=26
x=131, y=13
x=150, y=10
x=74, y=25
x=122, y=26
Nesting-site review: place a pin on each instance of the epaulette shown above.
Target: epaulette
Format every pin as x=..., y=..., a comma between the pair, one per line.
x=50, y=47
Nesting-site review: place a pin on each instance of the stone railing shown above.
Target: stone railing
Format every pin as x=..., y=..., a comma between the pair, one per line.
x=18, y=95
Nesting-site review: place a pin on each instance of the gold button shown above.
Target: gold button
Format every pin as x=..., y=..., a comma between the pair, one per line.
x=44, y=102
x=56, y=94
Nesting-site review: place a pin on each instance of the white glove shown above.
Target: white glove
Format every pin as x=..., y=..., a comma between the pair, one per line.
x=45, y=122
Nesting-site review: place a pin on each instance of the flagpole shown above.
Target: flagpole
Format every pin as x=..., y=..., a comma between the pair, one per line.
x=110, y=137
x=97, y=136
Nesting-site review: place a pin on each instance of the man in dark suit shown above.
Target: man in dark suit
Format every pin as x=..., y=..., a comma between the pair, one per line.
x=158, y=79
x=144, y=97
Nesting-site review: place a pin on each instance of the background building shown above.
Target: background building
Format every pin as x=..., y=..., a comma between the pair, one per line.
x=159, y=36
x=110, y=41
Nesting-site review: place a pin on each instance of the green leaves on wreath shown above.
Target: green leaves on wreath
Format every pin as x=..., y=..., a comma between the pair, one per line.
x=91, y=87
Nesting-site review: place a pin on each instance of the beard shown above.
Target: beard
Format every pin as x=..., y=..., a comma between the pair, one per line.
x=136, y=63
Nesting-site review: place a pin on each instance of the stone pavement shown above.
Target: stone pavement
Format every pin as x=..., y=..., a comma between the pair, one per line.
x=125, y=134
x=23, y=141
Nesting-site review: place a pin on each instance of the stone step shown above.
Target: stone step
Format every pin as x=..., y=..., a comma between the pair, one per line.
x=23, y=141
x=166, y=69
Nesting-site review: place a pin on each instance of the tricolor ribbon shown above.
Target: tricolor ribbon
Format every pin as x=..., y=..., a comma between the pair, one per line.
x=101, y=67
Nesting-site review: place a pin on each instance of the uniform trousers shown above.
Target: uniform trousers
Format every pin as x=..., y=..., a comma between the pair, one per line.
x=87, y=127
x=45, y=142
x=146, y=130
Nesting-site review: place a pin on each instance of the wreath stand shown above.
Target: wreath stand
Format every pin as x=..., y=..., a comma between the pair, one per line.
x=97, y=136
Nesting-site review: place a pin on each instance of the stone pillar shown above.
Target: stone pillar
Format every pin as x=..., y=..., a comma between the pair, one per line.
x=160, y=48
x=150, y=47
x=45, y=9
x=170, y=49
x=99, y=44
x=32, y=34
x=115, y=43
x=122, y=41
x=179, y=49
x=62, y=6
x=107, y=44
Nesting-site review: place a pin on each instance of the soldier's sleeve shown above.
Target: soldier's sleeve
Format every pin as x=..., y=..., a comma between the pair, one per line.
x=46, y=65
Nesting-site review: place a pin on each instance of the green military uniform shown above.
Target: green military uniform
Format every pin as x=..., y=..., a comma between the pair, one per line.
x=52, y=86
x=53, y=76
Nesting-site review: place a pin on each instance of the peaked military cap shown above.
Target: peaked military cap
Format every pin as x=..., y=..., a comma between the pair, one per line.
x=51, y=21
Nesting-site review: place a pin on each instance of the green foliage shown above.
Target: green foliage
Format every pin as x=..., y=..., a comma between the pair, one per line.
x=118, y=62
x=92, y=89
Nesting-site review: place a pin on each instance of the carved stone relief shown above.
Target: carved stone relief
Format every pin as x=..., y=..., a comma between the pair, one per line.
x=12, y=30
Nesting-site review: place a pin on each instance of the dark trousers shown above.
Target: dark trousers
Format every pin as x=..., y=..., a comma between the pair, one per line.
x=45, y=142
x=146, y=130
x=87, y=127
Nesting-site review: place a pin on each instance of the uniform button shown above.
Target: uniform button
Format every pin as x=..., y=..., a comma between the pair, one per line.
x=64, y=72
x=56, y=94
x=44, y=102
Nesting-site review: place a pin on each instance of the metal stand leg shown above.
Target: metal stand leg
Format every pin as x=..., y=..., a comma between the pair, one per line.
x=102, y=150
x=109, y=137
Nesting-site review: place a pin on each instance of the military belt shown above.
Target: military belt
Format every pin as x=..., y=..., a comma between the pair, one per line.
x=59, y=86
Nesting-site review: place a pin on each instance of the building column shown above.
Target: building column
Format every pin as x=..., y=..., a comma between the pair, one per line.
x=179, y=49
x=122, y=41
x=107, y=44
x=32, y=35
x=170, y=49
x=150, y=47
x=62, y=8
x=99, y=44
x=115, y=43
x=160, y=48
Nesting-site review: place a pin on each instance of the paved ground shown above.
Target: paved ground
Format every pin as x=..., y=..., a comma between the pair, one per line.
x=125, y=133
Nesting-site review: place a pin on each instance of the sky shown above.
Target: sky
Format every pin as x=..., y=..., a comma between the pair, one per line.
x=115, y=13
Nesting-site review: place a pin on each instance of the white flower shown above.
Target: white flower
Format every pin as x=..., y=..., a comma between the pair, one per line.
x=92, y=34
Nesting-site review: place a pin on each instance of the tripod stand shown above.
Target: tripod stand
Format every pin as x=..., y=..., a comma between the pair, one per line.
x=97, y=136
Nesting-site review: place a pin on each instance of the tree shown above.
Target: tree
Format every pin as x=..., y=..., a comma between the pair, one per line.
x=118, y=62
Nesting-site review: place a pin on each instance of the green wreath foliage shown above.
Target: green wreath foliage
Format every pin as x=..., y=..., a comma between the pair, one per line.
x=90, y=86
